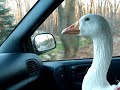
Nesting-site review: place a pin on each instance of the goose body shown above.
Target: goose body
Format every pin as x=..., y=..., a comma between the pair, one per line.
x=97, y=28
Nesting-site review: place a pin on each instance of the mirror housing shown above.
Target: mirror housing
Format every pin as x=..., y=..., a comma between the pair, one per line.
x=44, y=42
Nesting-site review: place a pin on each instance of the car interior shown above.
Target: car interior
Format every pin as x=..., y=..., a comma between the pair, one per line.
x=22, y=68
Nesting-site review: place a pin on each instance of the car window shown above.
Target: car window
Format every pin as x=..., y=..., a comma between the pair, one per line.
x=11, y=12
x=75, y=47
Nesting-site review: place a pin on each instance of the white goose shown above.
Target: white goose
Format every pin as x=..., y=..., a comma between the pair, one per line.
x=97, y=28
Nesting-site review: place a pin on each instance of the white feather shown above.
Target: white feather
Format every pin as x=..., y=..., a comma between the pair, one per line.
x=97, y=28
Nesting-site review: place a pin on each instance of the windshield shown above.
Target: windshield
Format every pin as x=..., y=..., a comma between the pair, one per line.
x=73, y=46
x=11, y=12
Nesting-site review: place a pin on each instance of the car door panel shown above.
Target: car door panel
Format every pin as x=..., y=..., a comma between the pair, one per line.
x=64, y=75
x=114, y=71
x=68, y=74
x=18, y=70
x=76, y=70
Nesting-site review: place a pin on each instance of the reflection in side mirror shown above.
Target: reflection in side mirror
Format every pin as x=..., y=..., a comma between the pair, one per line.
x=44, y=42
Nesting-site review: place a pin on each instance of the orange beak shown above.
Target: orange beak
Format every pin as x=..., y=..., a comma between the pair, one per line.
x=72, y=29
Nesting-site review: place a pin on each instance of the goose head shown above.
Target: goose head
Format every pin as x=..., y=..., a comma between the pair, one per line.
x=90, y=25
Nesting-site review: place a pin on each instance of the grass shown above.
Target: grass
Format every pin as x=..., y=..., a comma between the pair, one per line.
x=83, y=42
x=59, y=47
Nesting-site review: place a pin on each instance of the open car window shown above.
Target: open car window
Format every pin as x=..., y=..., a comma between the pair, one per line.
x=75, y=47
x=11, y=13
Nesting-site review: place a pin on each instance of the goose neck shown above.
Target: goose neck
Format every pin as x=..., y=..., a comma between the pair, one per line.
x=102, y=54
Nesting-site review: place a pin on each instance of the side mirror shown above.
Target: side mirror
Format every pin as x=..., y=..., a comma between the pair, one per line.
x=44, y=42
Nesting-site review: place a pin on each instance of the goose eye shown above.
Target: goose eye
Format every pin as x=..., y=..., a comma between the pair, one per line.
x=87, y=19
